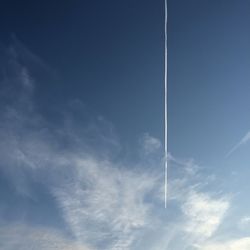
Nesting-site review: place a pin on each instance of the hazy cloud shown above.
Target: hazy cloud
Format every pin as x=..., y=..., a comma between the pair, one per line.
x=23, y=237
x=232, y=244
x=150, y=144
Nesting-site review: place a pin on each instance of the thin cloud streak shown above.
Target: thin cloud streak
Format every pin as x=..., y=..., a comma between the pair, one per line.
x=242, y=142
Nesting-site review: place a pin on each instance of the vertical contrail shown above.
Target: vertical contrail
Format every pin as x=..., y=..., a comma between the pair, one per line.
x=166, y=107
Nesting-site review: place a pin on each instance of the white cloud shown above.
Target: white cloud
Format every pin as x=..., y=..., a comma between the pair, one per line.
x=199, y=213
x=204, y=214
x=106, y=203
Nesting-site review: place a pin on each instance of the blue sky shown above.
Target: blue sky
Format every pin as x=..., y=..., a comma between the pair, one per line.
x=81, y=125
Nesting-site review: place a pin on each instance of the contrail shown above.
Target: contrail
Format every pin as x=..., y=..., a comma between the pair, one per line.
x=243, y=141
x=166, y=107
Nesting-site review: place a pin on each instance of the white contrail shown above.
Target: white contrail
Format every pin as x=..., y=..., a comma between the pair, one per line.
x=244, y=140
x=166, y=107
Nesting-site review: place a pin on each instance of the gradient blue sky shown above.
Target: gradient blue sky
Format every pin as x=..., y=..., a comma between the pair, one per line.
x=81, y=125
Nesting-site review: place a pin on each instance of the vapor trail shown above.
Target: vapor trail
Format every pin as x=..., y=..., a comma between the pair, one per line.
x=166, y=107
x=243, y=141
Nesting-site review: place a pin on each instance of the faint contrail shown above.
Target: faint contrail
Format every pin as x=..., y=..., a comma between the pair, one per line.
x=244, y=140
x=166, y=107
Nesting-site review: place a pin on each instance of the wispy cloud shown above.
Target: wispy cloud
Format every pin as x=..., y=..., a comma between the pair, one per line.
x=199, y=212
x=150, y=144
x=204, y=214
x=105, y=203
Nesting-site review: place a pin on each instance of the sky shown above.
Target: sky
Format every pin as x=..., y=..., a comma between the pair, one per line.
x=82, y=125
